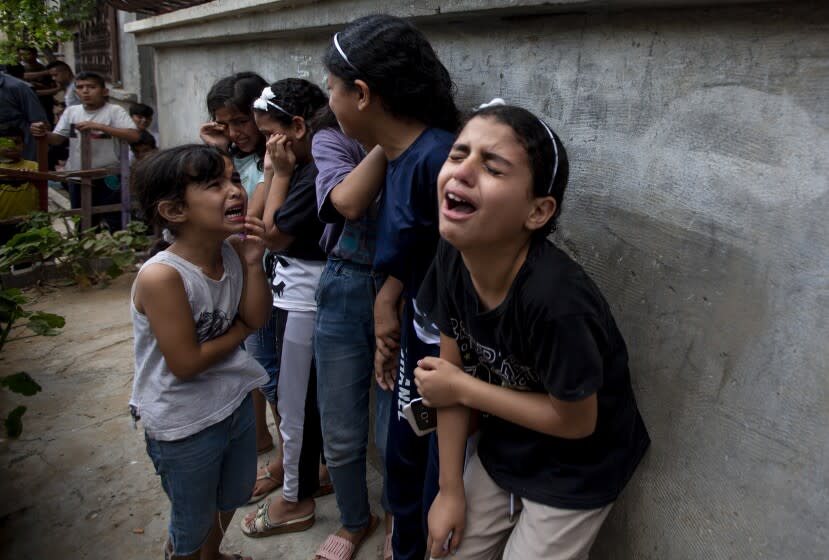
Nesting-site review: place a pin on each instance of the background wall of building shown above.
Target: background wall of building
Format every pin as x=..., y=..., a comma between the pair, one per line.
x=698, y=201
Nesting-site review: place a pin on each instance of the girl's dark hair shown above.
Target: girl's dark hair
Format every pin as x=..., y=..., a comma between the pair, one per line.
x=296, y=96
x=534, y=135
x=238, y=92
x=324, y=118
x=398, y=64
x=165, y=175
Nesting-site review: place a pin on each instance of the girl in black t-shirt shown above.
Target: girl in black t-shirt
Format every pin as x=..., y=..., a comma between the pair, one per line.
x=292, y=231
x=528, y=340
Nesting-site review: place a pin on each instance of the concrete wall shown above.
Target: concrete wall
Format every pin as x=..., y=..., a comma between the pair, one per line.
x=698, y=200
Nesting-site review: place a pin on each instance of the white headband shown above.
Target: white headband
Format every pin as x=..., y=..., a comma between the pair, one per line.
x=342, y=52
x=498, y=101
x=265, y=100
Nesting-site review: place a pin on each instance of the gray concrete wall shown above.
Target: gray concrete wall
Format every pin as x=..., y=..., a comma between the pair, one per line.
x=698, y=200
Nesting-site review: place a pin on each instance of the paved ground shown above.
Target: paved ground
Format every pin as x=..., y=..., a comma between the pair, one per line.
x=78, y=483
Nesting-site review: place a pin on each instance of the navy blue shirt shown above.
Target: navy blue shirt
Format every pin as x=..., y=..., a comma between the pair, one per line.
x=407, y=223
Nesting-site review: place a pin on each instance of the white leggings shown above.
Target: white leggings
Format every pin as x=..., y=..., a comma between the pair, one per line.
x=292, y=390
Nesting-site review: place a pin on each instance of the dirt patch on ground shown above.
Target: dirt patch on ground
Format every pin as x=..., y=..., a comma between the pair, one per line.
x=78, y=482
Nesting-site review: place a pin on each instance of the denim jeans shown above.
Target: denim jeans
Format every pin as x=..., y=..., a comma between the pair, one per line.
x=263, y=345
x=212, y=470
x=344, y=353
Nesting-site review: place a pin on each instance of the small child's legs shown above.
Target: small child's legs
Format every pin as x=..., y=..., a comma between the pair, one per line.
x=211, y=471
x=535, y=531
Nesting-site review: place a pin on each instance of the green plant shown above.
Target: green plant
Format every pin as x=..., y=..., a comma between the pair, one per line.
x=93, y=255
x=40, y=324
x=39, y=23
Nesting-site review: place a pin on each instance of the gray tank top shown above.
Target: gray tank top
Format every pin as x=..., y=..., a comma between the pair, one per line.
x=172, y=409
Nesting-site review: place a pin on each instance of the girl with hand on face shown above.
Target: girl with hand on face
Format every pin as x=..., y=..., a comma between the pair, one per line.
x=233, y=130
x=292, y=232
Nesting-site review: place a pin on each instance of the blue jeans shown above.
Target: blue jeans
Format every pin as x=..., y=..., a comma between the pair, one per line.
x=211, y=471
x=344, y=354
x=263, y=345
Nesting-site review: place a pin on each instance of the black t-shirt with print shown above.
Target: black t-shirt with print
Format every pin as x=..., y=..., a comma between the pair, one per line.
x=554, y=334
x=298, y=216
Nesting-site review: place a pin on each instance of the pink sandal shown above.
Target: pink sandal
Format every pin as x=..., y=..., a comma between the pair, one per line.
x=339, y=548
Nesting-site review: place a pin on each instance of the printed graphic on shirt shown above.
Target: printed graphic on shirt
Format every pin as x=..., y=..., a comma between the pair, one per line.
x=212, y=324
x=404, y=387
x=278, y=285
x=491, y=362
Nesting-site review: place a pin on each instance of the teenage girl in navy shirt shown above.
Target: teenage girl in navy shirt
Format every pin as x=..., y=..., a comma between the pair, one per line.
x=388, y=88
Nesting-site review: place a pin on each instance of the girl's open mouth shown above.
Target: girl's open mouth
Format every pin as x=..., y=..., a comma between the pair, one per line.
x=235, y=213
x=458, y=205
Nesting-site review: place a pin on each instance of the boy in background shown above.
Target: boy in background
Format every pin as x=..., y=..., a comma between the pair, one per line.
x=107, y=123
x=142, y=117
x=17, y=196
x=64, y=90
x=145, y=146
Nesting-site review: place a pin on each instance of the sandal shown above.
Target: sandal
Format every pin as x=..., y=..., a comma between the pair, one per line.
x=254, y=498
x=262, y=526
x=339, y=548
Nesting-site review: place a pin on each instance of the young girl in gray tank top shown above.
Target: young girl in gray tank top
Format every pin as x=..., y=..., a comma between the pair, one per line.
x=192, y=306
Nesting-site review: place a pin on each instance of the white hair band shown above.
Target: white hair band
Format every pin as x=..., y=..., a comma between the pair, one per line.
x=555, y=152
x=342, y=52
x=498, y=101
x=265, y=100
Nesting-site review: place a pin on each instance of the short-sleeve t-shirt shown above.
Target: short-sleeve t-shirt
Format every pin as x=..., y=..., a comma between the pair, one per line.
x=553, y=333
x=106, y=150
x=335, y=156
x=297, y=269
x=248, y=169
x=407, y=223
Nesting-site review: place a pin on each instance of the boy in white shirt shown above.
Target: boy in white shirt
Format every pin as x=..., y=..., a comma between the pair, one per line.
x=108, y=124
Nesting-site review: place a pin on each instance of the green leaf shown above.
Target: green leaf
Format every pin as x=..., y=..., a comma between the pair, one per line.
x=14, y=422
x=45, y=324
x=21, y=383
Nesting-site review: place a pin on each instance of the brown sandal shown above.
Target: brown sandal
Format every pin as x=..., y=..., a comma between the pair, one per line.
x=254, y=498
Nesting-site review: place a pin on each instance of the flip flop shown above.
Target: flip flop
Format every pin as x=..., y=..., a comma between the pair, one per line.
x=339, y=548
x=263, y=527
x=254, y=498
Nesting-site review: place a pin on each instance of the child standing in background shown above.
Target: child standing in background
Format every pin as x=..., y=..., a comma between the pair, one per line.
x=192, y=306
x=108, y=124
x=528, y=340
x=142, y=116
x=388, y=88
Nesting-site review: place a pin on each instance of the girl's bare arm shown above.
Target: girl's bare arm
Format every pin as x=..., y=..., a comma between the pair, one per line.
x=354, y=194
x=160, y=295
